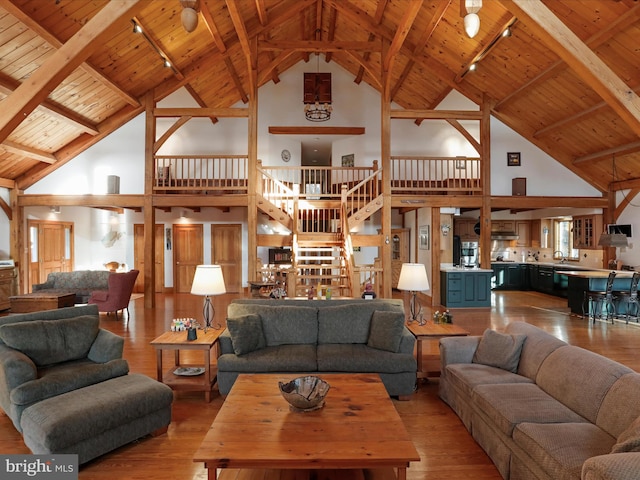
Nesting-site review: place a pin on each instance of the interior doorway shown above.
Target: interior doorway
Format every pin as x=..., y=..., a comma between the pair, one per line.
x=188, y=253
x=50, y=249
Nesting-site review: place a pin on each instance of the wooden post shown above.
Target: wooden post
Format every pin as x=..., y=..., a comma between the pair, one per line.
x=149, y=210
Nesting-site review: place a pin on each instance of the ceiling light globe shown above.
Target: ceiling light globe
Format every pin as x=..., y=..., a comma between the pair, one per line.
x=189, y=19
x=472, y=24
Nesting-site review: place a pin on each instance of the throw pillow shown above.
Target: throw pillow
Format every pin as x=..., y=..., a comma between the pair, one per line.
x=499, y=350
x=48, y=342
x=246, y=334
x=629, y=440
x=386, y=330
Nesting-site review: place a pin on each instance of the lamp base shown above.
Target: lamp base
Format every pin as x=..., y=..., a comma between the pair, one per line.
x=415, y=308
x=209, y=313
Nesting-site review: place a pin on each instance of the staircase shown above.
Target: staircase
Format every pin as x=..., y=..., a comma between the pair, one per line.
x=319, y=261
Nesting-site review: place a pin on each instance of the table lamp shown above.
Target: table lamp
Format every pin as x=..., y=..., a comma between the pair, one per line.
x=207, y=281
x=413, y=277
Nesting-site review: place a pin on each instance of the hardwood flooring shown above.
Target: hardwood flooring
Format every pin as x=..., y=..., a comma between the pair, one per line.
x=447, y=450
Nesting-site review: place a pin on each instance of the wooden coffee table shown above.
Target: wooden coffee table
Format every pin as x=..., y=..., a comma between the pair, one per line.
x=432, y=331
x=358, y=428
x=177, y=341
x=35, y=302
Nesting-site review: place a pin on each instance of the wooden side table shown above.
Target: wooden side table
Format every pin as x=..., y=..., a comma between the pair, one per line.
x=177, y=341
x=432, y=331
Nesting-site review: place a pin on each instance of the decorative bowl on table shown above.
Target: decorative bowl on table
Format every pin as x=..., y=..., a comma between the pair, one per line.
x=305, y=394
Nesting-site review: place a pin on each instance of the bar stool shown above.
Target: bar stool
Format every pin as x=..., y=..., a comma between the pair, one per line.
x=598, y=300
x=630, y=297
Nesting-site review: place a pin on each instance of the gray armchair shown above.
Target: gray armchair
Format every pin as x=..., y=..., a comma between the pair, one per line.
x=42, y=356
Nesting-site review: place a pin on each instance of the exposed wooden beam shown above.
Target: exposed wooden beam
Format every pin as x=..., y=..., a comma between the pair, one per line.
x=34, y=26
x=625, y=184
x=7, y=183
x=189, y=88
x=201, y=112
x=377, y=18
x=626, y=149
x=581, y=59
x=243, y=38
x=62, y=62
x=8, y=85
x=626, y=201
x=615, y=27
x=316, y=46
x=333, y=16
x=465, y=133
x=438, y=114
x=411, y=10
x=6, y=209
x=317, y=130
x=218, y=40
x=441, y=8
x=28, y=152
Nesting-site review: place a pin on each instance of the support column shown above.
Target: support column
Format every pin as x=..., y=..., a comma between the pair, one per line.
x=252, y=184
x=148, y=209
x=485, y=209
x=385, y=152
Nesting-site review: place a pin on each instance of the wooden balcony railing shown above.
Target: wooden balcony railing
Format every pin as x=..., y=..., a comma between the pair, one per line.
x=435, y=175
x=201, y=174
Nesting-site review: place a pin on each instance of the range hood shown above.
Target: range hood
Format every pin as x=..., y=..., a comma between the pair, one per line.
x=504, y=236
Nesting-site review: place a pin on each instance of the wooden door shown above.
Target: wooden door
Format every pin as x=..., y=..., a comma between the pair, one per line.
x=188, y=251
x=51, y=249
x=226, y=242
x=138, y=257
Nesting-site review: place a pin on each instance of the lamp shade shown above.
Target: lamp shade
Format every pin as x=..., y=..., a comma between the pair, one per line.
x=413, y=277
x=471, y=24
x=208, y=280
x=189, y=19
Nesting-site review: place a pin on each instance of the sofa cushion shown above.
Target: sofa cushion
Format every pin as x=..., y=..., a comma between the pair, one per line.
x=507, y=405
x=50, y=342
x=629, y=440
x=579, y=378
x=282, y=324
x=500, y=350
x=282, y=358
x=66, y=377
x=466, y=376
x=357, y=358
x=386, y=330
x=620, y=407
x=348, y=323
x=560, y=449
x=536, y=348
x=246, y=333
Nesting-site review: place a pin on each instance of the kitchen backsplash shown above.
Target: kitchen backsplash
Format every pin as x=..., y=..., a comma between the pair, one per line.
x=587, y=258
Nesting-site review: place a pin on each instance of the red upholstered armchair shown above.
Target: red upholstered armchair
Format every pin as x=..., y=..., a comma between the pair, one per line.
x=118, y=295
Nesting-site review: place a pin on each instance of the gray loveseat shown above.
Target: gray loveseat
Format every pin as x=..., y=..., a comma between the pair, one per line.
x=311, y=336
x=80, y=282
x=543, y=409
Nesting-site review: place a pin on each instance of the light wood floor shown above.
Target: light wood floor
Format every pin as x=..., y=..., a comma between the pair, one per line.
x=447, y=450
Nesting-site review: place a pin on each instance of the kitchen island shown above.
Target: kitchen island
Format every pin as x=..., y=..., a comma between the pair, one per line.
x=581, y=281
x=465, y=287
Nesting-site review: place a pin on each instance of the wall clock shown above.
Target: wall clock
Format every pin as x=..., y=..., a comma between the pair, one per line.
x=286, y=155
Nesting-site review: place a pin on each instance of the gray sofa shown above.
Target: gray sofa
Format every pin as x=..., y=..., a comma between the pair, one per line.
x=65, y=385
x=312, y=336
x=80, y=282
x=543, y=409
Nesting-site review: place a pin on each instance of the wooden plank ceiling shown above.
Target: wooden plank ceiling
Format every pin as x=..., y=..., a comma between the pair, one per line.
x=566, y=78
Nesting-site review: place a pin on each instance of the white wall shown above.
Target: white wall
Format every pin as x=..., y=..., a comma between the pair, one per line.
x=122, y=154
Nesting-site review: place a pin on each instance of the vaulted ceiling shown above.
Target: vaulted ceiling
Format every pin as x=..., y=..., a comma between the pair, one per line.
x=566, y=78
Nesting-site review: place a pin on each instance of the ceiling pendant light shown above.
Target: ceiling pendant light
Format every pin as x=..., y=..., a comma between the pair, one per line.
x=317, y=95
x=471, y=19
x=189, y=15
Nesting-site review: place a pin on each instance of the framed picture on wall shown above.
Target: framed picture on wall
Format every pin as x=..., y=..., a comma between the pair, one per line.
x=513, y=159
x=348, y=160
x=423, y=237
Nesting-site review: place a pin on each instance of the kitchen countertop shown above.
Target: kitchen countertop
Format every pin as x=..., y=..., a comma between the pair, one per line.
x=598, y=273
x=450, y=269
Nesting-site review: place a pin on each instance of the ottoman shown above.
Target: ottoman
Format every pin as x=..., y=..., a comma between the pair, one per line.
x=94, y=420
